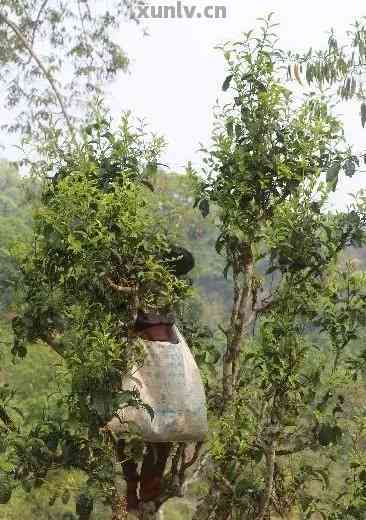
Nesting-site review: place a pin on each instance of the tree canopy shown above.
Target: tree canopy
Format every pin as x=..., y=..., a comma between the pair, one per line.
x=55, y=57
x=277, y=322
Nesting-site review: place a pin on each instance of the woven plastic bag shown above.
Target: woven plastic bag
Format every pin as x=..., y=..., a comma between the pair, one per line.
x=170, y=383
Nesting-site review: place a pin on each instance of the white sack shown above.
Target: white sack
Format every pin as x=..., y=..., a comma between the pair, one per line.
x=171, y=384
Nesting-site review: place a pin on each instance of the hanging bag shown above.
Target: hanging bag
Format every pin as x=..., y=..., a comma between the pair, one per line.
x=170, y=383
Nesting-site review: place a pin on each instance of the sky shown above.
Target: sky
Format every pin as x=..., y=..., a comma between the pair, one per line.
x=176, y=74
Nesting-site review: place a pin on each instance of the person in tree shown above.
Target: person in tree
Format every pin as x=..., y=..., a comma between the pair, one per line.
x=146, y=486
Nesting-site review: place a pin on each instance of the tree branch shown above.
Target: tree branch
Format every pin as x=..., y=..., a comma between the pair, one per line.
x=46, y=73
x=6, y=419
x=270, y=458
x=193, y=460
x=298, y=449
x=264, y=307
x=120, y=288
x=36, y=22
x=223, y=330
x=53, y=340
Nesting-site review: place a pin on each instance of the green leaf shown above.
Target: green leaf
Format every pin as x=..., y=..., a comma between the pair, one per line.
x=204, y=207
x=238, y=131
x=84, y=505
x=5, y=491
x=332, y=175
x=329, y=434
x=363, y=114
x=74, y=243
x=271, y=269
x=66, y=495
x=196, y=202
x=355, y=465
x=242, y=487
x=230, y=128
x=108, y=135
x=255, y=454
x=350, y=168
x=27, y=486
x=227, y=82
x=220, y=243
x=362, y=476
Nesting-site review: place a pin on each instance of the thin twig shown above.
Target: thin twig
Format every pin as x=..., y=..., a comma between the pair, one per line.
x=53, y=342
x=46, y=73
x=6, y=419
x=120, y=288
x=193, y=460
x=175, y=461
x=36, y=22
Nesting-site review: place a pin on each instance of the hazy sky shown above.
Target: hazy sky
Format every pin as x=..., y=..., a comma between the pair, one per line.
x=176, y=75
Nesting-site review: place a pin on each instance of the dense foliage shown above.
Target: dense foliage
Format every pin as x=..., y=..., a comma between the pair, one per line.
x=278, y=336
x=44, y=396
x=97, y=254
x=265, y=175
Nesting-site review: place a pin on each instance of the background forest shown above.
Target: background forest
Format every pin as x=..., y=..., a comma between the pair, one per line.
x=32, y=393
x=210, y=303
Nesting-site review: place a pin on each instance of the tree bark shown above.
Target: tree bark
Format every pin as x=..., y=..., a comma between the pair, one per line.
x=85, y=516
x=242, y=316
x=148, y=511
x=119, y=507
x=270, y=465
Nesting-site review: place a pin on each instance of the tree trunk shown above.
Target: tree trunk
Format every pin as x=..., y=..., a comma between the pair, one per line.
x=270, y=466
x=119, y=509
x=242, y=316
x=85, y=516
x=148, y=511
x=119, y=501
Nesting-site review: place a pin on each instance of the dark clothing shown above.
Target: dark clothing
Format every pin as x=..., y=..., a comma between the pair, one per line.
x=149, y=319
x=151, y=327
x=150, y=478
x=156, y=327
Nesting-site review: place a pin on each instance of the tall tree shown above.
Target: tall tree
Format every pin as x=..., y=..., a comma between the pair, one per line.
x=95, y=256
x=264, y=174
x=54, y=56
